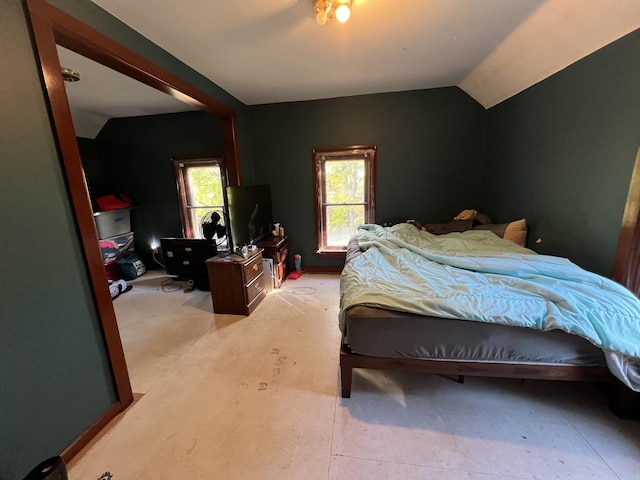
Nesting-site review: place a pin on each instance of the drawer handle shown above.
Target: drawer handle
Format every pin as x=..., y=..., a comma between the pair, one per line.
x=255, y=267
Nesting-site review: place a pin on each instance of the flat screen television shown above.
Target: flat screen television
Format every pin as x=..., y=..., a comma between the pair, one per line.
x=186, y=258
x=250, y=215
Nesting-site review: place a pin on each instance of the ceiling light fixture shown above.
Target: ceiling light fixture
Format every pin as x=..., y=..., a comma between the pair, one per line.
x=327, y=9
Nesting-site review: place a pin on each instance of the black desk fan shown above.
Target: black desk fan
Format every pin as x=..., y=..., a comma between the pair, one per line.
x=211, y=228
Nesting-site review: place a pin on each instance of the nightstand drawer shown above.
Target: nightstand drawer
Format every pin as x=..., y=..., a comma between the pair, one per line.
x=256, y=286
x=252, y=269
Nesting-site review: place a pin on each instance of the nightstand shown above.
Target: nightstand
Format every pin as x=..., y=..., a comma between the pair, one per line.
x=237, y=282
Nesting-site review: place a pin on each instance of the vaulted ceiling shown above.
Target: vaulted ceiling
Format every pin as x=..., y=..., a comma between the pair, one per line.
x=267, y=51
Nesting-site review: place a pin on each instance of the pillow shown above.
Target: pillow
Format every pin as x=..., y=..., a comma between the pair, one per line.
x=466, y=215
x=482, y=218
x=476, y=216
x=515, y=231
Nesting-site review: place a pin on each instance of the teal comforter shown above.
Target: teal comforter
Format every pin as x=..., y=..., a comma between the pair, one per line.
x=476, y=275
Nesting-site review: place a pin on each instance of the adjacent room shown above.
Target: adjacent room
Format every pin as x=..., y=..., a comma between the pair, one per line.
x=438, y=113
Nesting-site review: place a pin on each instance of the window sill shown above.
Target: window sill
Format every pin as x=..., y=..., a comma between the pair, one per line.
x=332, y=253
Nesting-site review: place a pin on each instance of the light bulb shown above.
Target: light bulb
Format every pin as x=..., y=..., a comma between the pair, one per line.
x=343, y=12
x=321, y=17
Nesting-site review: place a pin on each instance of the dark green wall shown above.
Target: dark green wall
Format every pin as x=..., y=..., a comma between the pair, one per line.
x=561, y=154
x=91, y=162
x=430, y=145
x=55, y=378
x=136, y=158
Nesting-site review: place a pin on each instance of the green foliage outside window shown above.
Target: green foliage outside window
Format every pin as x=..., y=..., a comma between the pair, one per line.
x=206, y=186
x=345, y=184
x=205, y=193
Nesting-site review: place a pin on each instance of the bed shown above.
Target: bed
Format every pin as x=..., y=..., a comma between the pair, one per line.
x=473, y=304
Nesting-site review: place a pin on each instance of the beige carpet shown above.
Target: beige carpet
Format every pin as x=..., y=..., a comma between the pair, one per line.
x=232, y=397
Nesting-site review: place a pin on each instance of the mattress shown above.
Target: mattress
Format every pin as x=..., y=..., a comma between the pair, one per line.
x=384, y=333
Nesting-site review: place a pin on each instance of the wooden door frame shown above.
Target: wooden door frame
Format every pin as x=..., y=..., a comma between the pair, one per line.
x=626, y=263
x=51, y=26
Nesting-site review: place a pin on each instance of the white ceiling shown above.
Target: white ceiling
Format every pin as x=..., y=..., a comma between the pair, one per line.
x=103, y=93
x=267, y=51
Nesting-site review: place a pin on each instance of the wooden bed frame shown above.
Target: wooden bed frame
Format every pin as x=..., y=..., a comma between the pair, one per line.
x=623, y=402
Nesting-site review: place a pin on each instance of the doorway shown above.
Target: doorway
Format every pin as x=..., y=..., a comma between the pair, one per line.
x=52, y=27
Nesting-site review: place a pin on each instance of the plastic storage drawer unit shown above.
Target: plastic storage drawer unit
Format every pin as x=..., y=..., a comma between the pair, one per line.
x=113, y=222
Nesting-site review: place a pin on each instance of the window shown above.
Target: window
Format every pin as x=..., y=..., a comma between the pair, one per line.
x=344, y=186
x=201, y=186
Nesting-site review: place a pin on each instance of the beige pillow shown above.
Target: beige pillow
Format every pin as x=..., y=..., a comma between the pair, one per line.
x=515, y=231
x=466, y=215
